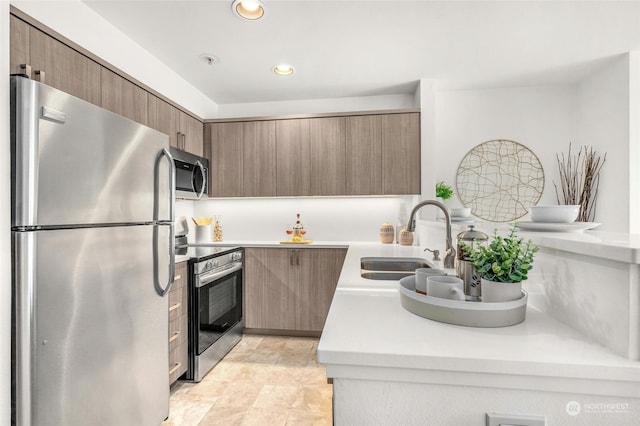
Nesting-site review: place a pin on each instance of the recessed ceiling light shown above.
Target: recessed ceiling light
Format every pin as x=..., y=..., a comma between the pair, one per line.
x=283, y=69
x=248, y=9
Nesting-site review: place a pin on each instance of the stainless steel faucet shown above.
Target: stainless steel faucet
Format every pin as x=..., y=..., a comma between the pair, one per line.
x=450, y=256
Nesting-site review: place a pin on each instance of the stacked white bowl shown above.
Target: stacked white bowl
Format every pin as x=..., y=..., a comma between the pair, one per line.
x=554, y=213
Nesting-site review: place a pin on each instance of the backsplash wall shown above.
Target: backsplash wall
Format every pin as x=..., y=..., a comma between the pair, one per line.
x=325, y=219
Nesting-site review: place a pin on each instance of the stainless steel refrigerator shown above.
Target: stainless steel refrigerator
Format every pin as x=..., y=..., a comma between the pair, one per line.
x=92, y=247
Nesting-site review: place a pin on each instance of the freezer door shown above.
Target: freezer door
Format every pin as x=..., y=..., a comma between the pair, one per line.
x=91, y=330
x=75, y=163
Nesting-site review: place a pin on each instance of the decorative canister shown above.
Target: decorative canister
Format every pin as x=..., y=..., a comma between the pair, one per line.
x=386, y=233
x=464, y=267
x=406, y=237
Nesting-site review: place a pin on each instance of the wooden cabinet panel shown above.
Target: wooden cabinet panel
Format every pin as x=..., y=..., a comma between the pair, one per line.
x=401, y=153
x=317, y=276
x=328, y=151
x=178, y=323
x=290, y=289
x=193, y=132
x=162, y=116
x=293, y=157
x=64, y=68
x=226, y=159
x=270, y=300
x=259, y=158
x=19, y=45
x=123, y=97
x=363, y=155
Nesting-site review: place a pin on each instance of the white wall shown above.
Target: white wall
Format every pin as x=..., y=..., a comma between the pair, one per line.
x=316, y=106
x=634, y=142
x=325, y=219
x=5, y=223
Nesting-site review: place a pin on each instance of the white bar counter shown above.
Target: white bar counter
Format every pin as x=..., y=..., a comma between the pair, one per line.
x=390, y=366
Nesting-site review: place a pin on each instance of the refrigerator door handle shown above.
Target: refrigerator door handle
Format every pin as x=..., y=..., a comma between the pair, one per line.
x=204, y=176
x=156, y=207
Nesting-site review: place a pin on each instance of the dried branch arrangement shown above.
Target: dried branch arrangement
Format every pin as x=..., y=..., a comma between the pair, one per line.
x=579, y=181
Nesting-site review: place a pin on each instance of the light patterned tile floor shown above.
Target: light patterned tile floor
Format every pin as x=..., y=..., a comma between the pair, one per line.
x=264, y=380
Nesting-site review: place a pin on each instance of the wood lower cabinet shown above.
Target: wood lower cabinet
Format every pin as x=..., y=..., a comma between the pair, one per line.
x=290, y=289
x=178, y=322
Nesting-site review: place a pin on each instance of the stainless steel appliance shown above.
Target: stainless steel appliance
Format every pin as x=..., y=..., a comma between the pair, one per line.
x=215, y=314
x=92, y=235
x=192, y=174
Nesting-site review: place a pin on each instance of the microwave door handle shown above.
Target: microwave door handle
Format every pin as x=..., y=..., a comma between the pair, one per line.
x=156, y=207
x=204, y=184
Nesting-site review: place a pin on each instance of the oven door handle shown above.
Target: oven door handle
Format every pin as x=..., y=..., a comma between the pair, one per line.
x=209, y=277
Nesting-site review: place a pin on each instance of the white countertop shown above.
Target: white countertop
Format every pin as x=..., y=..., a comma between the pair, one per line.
x=368, y=332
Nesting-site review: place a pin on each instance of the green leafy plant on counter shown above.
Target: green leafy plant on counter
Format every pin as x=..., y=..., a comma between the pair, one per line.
x=505, y=259
x=443, y=191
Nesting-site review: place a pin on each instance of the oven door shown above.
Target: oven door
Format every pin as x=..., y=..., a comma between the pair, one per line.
x=218, y=305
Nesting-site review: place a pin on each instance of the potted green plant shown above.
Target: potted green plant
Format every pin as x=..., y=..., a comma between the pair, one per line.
x=502, y=265
x=443, y=191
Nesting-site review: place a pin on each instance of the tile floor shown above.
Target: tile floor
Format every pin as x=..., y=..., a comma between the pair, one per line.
x=264, y=380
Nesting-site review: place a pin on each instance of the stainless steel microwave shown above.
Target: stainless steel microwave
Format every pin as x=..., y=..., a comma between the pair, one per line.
x=192, y=173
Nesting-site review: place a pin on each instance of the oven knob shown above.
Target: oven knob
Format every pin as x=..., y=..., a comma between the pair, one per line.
x=236, y=256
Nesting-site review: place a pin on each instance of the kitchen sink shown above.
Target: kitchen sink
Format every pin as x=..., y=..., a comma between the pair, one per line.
x=390, y=268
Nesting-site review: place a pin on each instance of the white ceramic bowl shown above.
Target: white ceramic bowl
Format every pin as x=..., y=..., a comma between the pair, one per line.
x=461, y=212
x=554, y=213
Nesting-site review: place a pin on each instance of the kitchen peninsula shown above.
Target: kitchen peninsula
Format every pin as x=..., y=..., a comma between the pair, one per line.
x=390, y=366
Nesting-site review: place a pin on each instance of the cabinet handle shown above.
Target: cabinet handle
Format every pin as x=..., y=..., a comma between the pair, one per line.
x=174, y=337
x=26, y=70
x=40, y=76
x=175, y=368
x=177, y=277
x=174, y=307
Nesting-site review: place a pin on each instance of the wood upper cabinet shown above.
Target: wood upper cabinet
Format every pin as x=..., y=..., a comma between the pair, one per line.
x=225, y=152
x=162, y=117
x=121, y=96
x=363, y=155
x=290, y=289
x=293, y=157
x=191, y=137
x=328, y=153
x=259, y=158
x=19, y=51
x=401, y=153
x=53, y=62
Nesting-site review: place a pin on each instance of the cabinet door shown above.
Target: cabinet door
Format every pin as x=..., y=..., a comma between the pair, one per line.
x=270, y=293
x=364, y=155
x=293, y=175
x=19, y=45
x=259, y=158
x=401, y=153
x=162, y=117
x=123, y=97
x=193, y=131
x=226, y=160
x=328, y=151
x=64, y=68
x=318, y=271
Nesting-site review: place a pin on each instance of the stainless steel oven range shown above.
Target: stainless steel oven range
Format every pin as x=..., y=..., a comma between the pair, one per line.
x=215, y=306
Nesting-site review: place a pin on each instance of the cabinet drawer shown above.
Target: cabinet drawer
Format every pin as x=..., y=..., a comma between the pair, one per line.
x=177, y=362
x=180, y=275
x=177, y=302
x=177, y=332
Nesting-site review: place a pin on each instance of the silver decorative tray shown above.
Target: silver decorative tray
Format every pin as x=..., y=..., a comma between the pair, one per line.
x=467, y=313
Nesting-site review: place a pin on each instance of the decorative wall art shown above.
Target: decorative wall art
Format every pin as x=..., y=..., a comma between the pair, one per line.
x=499, y=180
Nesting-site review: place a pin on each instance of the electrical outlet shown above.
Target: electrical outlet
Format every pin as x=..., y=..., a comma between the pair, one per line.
x=495, y=419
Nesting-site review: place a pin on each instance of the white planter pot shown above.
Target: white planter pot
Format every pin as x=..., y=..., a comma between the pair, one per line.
x=493, y=291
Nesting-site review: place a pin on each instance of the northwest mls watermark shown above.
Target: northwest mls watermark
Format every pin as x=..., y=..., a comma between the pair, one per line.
x=575, y=408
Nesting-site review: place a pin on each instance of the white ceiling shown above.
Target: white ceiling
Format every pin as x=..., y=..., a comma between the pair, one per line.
x=364, y=48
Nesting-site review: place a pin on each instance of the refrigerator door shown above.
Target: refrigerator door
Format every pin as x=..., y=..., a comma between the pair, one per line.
x=91, y=331
x=76, y=163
